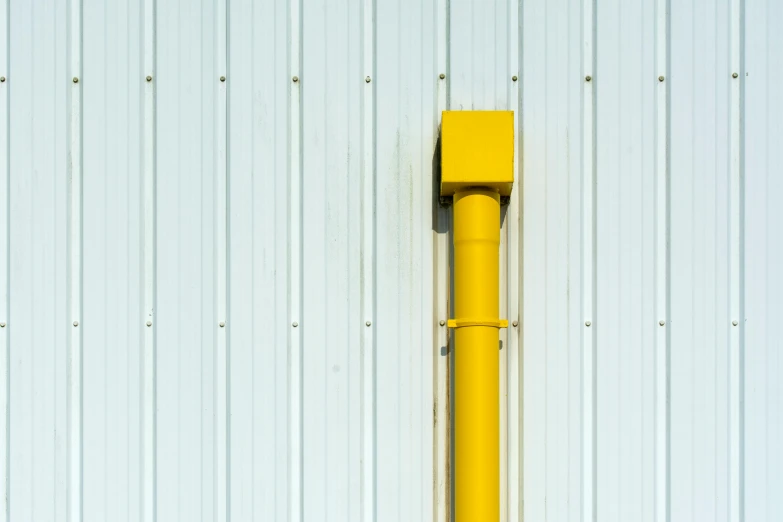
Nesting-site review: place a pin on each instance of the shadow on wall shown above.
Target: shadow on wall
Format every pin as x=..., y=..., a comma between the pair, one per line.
x=440, y=226
x=441, y=223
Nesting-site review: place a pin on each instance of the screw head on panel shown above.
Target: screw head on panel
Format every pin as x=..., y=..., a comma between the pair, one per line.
x=2, y=325
x=76, y=323
x=735, y=323
x=661, y=78
x=368, y=323
x=515, y=324
x=442, y=322
x=2, y=79
x=514, y=78
x=149, y=78
x=149, y=323
x=588, y=323
x=661, y=322
x=295, y=79
x=588, y=78
x=442, y=76
x=222, y=324
x=735, y=75
x=222, y=78
x=368, y=79
x=75, y=79
x=294, y=324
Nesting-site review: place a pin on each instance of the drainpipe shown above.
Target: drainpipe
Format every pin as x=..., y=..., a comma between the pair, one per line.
x=477, y=168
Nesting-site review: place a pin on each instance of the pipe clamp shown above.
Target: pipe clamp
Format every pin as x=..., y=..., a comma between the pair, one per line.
x=477, y=321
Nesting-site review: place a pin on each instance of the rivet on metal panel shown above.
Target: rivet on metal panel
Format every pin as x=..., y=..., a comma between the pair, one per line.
x=514, y=78
x=661, y=322
x=76, y=323
x=588, y=323
x=442, y=76
x=735, y=75
x=661, y=78
x=222, y=78
x=149, y=78
x=515, y=324
x=75, y=79
x=368, y=79
x=2, y=79
x=149, y=323
x=442, y=322
x=588, y=78
x=221, y=324
x=294, y=324
x=368, y=323
x=295, y=79
x=2, y=325
x=735, y=323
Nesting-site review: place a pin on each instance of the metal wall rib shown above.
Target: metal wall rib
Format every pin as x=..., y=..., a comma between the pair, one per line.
x=258, y=90
x=147, y=362
x=223, y=266
x=4, y=258
x=406, y=132
x=38, y=321
x=112, y=225
x=624, y=319
x=443, y=420
x=555, y=173
x=762, y=111
x=331, y=83
x=186, y=85
x=700, y=191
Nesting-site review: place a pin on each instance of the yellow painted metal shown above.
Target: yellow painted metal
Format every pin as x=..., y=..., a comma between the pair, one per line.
x=477, y=409
x=477, y=157
x=477, y=149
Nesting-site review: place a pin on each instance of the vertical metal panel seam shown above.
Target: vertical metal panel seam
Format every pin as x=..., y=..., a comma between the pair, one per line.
x=508, y=266
x=295, y=436
x=5, y=253
x=504, y=334
x=148, y=406
x=74, y=264
x=513, y=450
x=368, y=205
x=735, y=323
x=662, y=262
x=441, y=351
x=221, y=325
x=589, y=508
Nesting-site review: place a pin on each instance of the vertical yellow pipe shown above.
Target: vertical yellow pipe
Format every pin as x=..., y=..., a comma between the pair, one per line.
x=477, y=167
x=477, y=411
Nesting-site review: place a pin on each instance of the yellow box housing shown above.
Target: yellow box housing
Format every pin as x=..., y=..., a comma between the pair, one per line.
x=477, y=150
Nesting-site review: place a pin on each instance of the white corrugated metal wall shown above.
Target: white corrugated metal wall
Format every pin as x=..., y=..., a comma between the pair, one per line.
x=221, y=299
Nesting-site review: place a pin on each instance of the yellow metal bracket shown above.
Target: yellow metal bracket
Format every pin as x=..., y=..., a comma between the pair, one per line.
x=477, y=150
x=477, y=321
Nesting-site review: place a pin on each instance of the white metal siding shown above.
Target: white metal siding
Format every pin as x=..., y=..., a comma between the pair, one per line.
x=222, y=299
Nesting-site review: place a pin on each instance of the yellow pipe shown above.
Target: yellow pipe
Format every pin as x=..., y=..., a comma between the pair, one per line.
x=477, y=411
x=477, y=160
